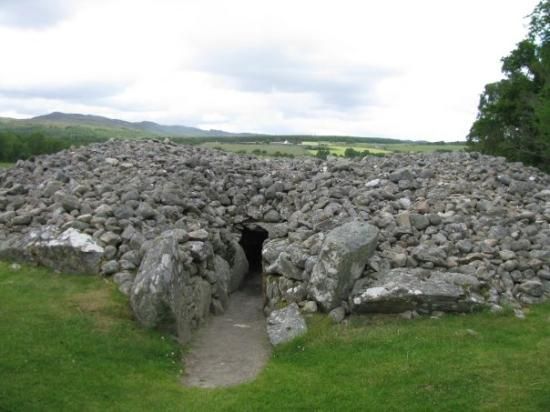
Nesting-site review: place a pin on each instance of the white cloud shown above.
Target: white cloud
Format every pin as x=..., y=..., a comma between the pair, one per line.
x=396, y=69
x=32, y=13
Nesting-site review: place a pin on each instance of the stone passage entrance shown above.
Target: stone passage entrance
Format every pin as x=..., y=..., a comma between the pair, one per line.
x=233, y=348
x=252, y=241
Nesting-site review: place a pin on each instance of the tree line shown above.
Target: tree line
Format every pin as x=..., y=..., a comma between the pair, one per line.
x=514, y=113
x=16, y=146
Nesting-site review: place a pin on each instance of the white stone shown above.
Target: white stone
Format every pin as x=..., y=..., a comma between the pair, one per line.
x=373, y=183
x=285, y=324
x=77, y=240
x=375, y=292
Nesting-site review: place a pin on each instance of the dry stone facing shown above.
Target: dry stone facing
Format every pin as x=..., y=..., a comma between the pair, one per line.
x=168, y=231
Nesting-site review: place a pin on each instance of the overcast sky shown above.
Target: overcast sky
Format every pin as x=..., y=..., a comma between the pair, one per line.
x=391, y=68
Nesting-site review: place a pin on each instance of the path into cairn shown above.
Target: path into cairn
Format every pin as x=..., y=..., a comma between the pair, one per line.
x=232, y=348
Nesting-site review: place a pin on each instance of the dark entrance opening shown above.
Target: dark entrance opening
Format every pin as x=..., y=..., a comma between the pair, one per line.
x=252, y=240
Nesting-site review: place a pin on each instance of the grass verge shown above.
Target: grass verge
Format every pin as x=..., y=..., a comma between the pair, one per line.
x=69, y=343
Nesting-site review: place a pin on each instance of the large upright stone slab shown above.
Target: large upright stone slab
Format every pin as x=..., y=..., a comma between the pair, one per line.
x=344, y=254
x=164, y=293
x=69, y=251
x=239, y=266
x=404, y=289
x=150, y=294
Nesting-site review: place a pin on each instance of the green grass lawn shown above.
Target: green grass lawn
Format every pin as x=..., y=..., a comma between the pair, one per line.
x=69, y=343
x=4, y=165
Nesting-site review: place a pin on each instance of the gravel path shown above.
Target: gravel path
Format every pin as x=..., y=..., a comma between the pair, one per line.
x=232, y=348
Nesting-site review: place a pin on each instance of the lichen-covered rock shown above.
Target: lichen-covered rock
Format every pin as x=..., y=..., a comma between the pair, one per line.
x=399, y=290
x=284, y=266
x=151, y=295
x=164, y=293
x=285, y=324
x=344, y=254
x=532, y=287
x=69, y=251
x=124, y=280
x=221, y=276
x=337, y=314
x=191, y=303
x=239, y=266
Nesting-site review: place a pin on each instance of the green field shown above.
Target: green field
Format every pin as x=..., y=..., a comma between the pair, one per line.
x=4, y=165
x=338, y=148
x=335, y=148
x=249, y=148
x=69, y=343
x=422, y=148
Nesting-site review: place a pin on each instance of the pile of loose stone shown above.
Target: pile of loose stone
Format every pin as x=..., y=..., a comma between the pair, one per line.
x=416, y=232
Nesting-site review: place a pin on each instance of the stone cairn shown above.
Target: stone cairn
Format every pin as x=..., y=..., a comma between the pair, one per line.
x=449, y=232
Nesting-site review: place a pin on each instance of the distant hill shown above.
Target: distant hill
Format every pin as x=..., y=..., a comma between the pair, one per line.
x=148, y=128
x=86, y=128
